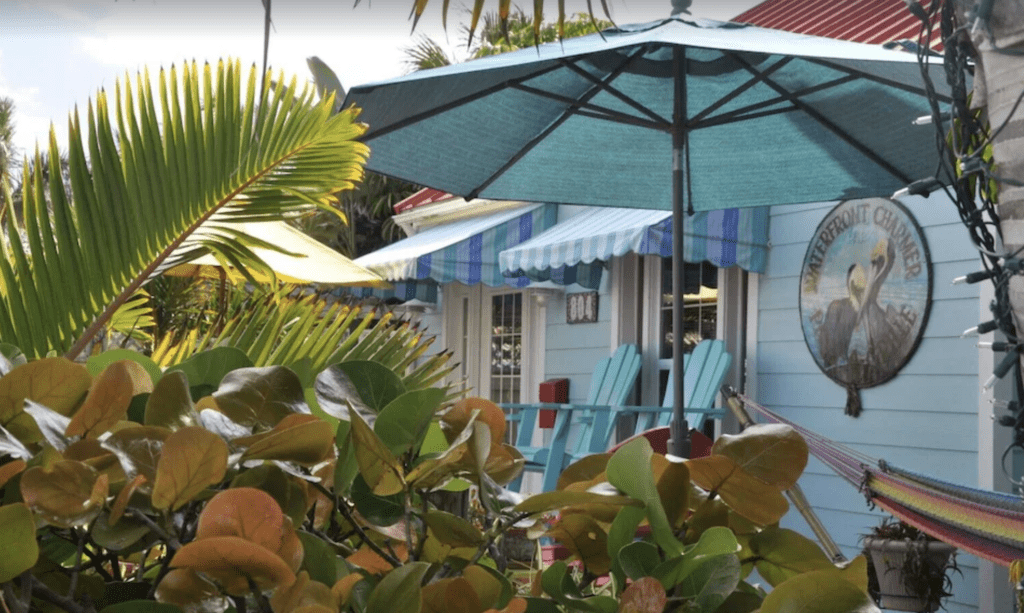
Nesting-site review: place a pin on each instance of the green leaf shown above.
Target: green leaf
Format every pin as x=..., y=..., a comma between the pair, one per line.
x=346, y=468
x=318, y=559
x=18, y=541
x=381, y=469
x=715, y=541
x=268, y=477
x=639, y=559
x=402, y=424
x=558, y=583
x=366, y=385
x=452, y=530
x=170, y=405
x=620, y=535
x=559, y=499
x=399, y=591
x=380, y=511
x=712, y=581
x=95, y=364
x=820, y=591
x=210, y=366
x=773, y=453
x=260, y=396
x=629, y=469
x=782, y=554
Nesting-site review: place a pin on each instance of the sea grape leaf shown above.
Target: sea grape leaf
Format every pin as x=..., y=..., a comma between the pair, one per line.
x=645, y=595
x=260, y=397
x=97, y=363
x=775, y=454
x=52, y=425
x=318, y=559
x=749, y=497
x=399, y=591
x=782, y=553
x=403, y=423
x=482, y=410
x=453, y=530
x=138, y=448
x=629, y=469
x=233, y=561
x=711, y=582
x=183, y=587
x=208, y=368
x=713, y=542
x=299, y=438
x=378, y=466
x=107, y=401
x=57, y=383
x=364, y=385
x=192, y=459
x=255, y=516
x=819, y=591
x=585, y=469
x=170, y=405
x=290, y=496
x=584, y=537
x=65, y=494
x=559, y=499
x=18, y=541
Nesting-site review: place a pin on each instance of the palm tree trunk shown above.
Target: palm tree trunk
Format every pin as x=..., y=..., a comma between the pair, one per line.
x=998, y=87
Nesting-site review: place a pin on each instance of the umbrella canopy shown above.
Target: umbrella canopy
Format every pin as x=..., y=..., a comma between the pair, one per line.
x=303, y=260
x=675, y=114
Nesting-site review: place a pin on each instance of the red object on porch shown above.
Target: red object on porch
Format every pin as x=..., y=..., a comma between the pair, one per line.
x=552, y=390
x=424, y=196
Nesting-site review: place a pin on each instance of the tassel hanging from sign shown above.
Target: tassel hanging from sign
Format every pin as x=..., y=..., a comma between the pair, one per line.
x=853, y=406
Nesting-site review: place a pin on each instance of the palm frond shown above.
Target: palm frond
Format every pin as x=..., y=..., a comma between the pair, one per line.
x=145, y=173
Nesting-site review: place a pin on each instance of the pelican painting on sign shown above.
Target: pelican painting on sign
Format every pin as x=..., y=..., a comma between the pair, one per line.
x=865, y=292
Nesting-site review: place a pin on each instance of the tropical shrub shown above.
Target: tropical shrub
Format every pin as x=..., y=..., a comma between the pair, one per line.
x=217, y=485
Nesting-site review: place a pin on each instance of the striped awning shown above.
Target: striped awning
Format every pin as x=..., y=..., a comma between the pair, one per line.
x=728, y=237
x=465, y=250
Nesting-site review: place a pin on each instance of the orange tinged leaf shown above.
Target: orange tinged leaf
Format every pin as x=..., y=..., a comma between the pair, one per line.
x=645, y=595
x=516, y=605
x=454, y=595
x=457, y=418
x=192, y=459
x=106, y=403
x=304, y=439
x=304, y=595
x=232, y=561
x=484, y=585
x=10, y=469
x=91, y=452
x=342, y=589
x=378, y=466
x=139, y=449
x=368, y=560
x=121, y=502
x=183, y=587
x=582, y=535
x=66, y=494
x=253, y=515
x=56, y=383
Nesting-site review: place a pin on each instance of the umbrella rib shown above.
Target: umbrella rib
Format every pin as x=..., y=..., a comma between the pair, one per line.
x=595, y=111
x=744, y=113
x=612, y=91
x=832, y=127
x=573, y=109
x=757, y=78
x=437, y=110
x=870, y=77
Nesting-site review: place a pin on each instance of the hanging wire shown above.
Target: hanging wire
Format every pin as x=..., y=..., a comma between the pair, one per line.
x=964, y=140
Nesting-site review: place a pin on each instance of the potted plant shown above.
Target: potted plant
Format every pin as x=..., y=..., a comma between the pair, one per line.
x=910, y=567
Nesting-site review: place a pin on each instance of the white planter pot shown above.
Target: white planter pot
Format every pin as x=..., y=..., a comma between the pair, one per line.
x=888, y=556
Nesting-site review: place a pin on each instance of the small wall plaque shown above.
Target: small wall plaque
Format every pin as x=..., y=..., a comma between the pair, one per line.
x=581, y=308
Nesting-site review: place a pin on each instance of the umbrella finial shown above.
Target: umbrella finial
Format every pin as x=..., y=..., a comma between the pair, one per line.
x=681, y=6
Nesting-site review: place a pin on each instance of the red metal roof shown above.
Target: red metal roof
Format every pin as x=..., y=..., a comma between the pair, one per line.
x=863, y=21
x=424, y=196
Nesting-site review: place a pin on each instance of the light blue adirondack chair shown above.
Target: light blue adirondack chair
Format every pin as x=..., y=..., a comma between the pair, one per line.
x=705, y=366
x=576, y=426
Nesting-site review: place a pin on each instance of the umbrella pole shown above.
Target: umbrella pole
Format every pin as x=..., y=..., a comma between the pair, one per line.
x=679, y=443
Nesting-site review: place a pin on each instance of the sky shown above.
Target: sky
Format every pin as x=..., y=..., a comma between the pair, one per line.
x=56, y=54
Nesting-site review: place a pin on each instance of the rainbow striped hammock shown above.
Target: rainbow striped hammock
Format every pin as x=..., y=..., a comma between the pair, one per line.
x=985, y=523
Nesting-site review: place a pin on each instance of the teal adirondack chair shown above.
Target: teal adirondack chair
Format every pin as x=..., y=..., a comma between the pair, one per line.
x=705, y=366
x=610, y=385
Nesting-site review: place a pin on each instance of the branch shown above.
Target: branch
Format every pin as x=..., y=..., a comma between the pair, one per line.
x=344, y=510
x=44, y=593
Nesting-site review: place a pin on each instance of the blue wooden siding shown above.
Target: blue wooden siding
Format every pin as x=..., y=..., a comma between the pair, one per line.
x=572, y=350
x=924, y=420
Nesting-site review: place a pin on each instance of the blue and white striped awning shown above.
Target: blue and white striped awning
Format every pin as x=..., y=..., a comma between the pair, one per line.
x=465, y=250
x=728, y=237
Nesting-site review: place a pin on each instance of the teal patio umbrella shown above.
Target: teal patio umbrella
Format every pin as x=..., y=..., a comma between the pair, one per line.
x=683, y=115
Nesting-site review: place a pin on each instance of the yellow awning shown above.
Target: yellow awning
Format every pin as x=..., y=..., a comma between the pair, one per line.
x=312, y=262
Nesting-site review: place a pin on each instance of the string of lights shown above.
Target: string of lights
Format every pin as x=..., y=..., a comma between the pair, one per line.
x=964, y=140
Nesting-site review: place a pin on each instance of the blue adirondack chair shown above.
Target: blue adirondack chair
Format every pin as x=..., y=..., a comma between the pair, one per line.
x=705, y=369
x=610, y=385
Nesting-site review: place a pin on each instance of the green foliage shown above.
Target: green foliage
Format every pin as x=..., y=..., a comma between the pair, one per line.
x=243, y=496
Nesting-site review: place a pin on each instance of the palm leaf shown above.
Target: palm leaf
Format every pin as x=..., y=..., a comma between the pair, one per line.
x=146, y=172
x=279, y=328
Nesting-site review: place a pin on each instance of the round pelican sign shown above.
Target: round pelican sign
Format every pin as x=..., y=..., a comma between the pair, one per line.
x=865, y=291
